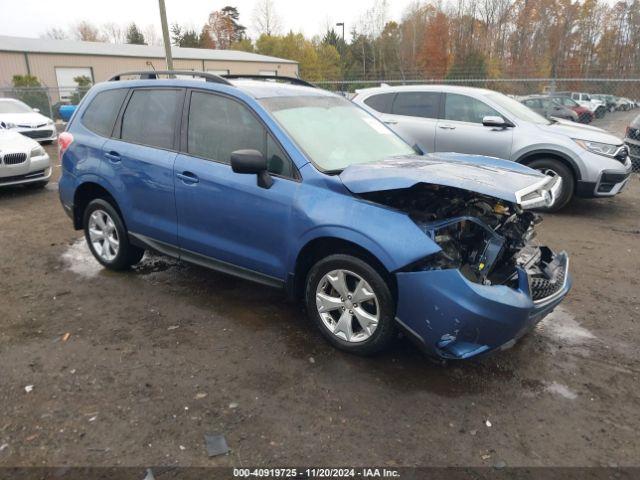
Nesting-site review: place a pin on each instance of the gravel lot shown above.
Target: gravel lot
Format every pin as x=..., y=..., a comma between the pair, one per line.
x=135, y=368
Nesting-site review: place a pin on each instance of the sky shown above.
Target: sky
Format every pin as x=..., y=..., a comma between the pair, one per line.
x=31, y=18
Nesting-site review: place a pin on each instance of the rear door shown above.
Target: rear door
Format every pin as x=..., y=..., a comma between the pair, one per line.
x=225, y=219
x=461, y=129
x=139, y=161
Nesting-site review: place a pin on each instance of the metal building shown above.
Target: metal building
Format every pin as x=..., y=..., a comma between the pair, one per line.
x=57, y=62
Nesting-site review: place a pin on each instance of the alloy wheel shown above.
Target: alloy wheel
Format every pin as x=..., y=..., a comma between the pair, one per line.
x=347, y=305
x=103, y=235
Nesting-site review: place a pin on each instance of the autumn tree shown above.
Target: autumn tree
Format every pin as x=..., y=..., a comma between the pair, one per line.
x=434, y=53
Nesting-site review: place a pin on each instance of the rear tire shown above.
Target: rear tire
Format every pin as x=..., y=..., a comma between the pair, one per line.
x=551, y=166
x=107, y=237
x=349, y=325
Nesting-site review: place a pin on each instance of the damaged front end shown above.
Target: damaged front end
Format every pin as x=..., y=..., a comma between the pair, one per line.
x=490, y=282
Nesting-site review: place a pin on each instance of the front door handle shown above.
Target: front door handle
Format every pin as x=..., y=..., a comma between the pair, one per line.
x=113, y=156
x=188, y=177
x=391, y=122
x=447, y=126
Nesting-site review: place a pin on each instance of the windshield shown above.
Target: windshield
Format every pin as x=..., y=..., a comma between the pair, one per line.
x=333, y=132
x=14, y=106
x=517, y=109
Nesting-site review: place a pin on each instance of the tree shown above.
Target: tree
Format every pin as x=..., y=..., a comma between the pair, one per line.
x=187, y=38
x=84, y=84
x=472, y=65
x=434, y=53
x=86, y=32
x=28, y=89
x=266, y=20
x=114, y=33
x=134, y=35
x=223, y=27
x=205, y=40
x=55, y=34
x=244, y=45
x=234, y=16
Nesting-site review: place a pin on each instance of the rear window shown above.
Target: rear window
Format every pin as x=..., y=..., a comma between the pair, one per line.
x=150, y=117
x=101, y=113
x=381, y=103
x=417, y=104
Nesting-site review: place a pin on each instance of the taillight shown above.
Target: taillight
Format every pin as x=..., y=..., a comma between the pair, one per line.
x=64, y=140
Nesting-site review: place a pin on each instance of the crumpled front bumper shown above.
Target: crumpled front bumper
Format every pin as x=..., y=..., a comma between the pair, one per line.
x=454, y=318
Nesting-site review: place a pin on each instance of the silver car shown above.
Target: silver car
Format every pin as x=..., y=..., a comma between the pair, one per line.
x=441, y=118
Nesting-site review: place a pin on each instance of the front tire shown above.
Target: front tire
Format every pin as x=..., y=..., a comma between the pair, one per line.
x=107, y=237
x=351, y=304
x=554, y=167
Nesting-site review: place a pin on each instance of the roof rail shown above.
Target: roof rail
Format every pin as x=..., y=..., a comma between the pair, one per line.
x=153, y=75
x=291, y=80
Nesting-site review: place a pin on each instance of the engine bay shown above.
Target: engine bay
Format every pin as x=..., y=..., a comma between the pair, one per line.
x=484, y=237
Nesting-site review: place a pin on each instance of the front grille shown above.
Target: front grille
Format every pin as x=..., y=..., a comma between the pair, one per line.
x=633, y=133
x=14, y=158
x=28, y=176
x=542, y=288
x=38, y=133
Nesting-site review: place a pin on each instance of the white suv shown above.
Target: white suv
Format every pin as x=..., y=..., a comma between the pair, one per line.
x=446, y=118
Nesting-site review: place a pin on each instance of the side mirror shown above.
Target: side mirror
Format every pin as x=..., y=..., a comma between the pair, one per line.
x=495, y=121
x=252, y=162
x=37, y=110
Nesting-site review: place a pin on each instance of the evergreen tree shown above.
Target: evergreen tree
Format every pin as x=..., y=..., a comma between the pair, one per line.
x=134, y=35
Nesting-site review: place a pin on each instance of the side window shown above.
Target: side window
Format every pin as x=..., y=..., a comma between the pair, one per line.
x=461, y=108
x=219, y=126
x=532, y=103
x=417, y=104
x=575, y=96
x=150, y=117
x=381, y=103
x=101, y=113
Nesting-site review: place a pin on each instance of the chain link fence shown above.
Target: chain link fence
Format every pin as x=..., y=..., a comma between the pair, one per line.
x=621, y=97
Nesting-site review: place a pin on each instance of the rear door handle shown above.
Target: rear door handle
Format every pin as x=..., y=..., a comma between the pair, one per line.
x=447, y=126
x=188, y=177
x=112, y=156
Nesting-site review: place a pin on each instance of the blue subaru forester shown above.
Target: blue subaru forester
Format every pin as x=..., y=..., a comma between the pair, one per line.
x=295, y=187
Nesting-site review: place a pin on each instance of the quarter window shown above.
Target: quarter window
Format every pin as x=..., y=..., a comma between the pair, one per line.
x=381, y=103
x=462, y=108
x=417, y=104
x=150, y=117
x=101, y=113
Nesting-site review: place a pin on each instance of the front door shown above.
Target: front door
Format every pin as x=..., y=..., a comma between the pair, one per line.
x=461, y=130
x=225, y=217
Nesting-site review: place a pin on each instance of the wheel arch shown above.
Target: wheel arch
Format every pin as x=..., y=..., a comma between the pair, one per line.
x=320, y=247
x=567, y=161
x=86, y=192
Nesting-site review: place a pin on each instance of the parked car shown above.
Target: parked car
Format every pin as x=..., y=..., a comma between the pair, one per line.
x=608, y=100
x=548, y=107
x=584, y=99
x=624, y=104
x=584, y=114
x=298, y=188
x=633, y=142
x=22, y=160
x=444, y=118
x=28, y=121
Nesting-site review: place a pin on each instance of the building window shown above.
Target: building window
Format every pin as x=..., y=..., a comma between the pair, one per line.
x=65, y=77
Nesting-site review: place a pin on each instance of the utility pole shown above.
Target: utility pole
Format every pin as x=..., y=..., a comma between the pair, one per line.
x=342, y=48
x=165, y=35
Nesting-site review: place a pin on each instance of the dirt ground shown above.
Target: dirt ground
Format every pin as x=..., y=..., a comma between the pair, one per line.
x=135, y=368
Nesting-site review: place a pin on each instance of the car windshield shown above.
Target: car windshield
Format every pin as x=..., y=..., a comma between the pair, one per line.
x=13, y=106
x=333, y=132
x=517, y=109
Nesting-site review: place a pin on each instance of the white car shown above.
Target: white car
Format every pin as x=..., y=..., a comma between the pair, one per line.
x=20, y=117
x=22, y=160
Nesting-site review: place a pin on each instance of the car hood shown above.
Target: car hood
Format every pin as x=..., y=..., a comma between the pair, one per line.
x=14, y=141
x=581, y=132
x=490, y=176
x=29, y=118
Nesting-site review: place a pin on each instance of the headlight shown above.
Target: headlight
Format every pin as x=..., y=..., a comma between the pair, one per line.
x=49, y=122
x=598, y=148
x=37, y=152
x=8, y=124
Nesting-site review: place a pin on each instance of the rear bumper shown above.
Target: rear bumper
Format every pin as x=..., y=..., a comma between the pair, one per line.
x=454, y=318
